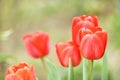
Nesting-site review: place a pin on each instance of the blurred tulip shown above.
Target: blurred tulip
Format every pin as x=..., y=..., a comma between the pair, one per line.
x=37, y=44
x=68, y=50
x=22, y=71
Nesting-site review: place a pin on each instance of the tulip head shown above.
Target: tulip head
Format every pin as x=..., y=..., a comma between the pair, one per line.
x=37, y=44
x=68, y=50
x=21, y=71
x=93, y=45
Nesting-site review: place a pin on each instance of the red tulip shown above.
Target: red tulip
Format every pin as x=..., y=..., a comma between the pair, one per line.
x=68, y=50
x=93, y=45
x=76, y=31
x=37, y=44
x=89, y=37
x=90, y=18
x=22, y=71
x=85, y=21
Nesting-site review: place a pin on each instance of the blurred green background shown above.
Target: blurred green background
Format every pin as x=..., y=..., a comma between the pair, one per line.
x=18, y=17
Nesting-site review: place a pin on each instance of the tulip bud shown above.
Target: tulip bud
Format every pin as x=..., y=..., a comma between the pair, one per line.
x=37, y=44
x=68, y=50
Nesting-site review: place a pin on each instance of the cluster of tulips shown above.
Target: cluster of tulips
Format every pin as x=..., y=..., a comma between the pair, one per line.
x=88, y=43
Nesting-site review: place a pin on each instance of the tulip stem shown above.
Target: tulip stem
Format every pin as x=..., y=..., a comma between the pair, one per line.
x=44, y=66
x=70, y=71
x=90, y=69
x=85, y=70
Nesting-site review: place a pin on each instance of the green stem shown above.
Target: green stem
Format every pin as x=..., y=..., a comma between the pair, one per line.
x=104, y=68
x=70, y=71
x=91, y=68
x=45, y=67
x=85, y=70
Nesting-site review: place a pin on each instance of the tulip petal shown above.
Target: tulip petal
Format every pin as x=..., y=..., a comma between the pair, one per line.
x=59, y=49
x=85, y=31
x=91, y=47
x=75, y=21
x=37, y=44
x=103, y=35
x=76, y=32
x=41, y=41
x=92, y=19
x=32, y=49
x=60, y=46
x=66, y=53
x=68, y=50
x=22, y=71
x=13, y=77
x=25, y=73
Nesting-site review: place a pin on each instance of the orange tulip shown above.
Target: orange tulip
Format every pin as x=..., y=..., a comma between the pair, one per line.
x=22, y=71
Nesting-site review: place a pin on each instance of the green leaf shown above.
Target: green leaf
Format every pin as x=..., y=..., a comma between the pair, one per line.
x=53, y=73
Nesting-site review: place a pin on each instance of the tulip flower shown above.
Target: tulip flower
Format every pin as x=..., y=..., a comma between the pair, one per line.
x=85, y=21
x=68, y=50
x=37, y=44
x=93, y=45
x=91, y=40
x=90, y=18
x=21, y=71
x=89, y=37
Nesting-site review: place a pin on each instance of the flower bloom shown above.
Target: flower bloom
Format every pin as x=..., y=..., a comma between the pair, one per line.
x=93, y=44
x=89, y=37
x=85, y=18
x=37, y=44
x=22, y=71
x=84, y=21
x=68, y=50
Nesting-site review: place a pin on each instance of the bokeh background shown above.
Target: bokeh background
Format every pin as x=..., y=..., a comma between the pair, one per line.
x=18, y=17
